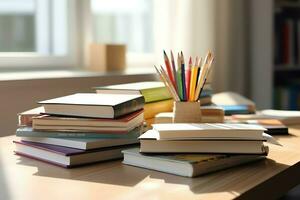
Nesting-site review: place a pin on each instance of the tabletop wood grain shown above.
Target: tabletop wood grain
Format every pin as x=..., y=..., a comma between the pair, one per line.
x=24, y=178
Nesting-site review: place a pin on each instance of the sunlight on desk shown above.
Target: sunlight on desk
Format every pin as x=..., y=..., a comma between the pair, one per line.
x=22, y=177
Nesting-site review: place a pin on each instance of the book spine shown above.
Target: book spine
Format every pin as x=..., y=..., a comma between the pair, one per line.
x=53, y=134
x=129, y=107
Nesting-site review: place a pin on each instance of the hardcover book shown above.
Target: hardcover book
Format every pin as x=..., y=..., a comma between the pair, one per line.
x=151, y=144
x=94, y=105
x=29, y=132
x=189, y=165
x=122, y=124
x=65, y=156
x=151, y=90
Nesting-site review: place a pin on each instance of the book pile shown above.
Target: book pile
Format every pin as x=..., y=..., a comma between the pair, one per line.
x=277, y=122
x=80, y=128
x=193, y=149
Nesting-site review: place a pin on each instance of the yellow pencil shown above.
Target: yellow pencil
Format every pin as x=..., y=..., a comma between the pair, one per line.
x=193, y=83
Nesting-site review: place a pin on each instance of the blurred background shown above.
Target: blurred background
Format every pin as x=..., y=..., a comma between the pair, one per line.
x=256, y=43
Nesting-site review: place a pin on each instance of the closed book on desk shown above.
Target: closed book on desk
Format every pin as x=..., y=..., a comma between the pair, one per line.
x=25, y=118
x=272, y=117
x=94, y=105
x=151, y=144
x=29, y=132
x=67, y=157
x=56, y=123
x=151, y=90
x=189, y=165
x=82, y=143
x=152, y=109
x=208, y=130
x=233, y=102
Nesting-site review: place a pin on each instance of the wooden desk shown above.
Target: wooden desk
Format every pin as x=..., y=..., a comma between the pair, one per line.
x=23, y=178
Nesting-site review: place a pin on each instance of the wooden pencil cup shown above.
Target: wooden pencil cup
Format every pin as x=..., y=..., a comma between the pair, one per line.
x=186, y=112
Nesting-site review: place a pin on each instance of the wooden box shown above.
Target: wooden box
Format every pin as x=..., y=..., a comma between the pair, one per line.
x=187, y=112
x=107, y=57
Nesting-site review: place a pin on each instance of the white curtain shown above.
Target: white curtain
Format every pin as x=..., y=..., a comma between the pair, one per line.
x=195, y=26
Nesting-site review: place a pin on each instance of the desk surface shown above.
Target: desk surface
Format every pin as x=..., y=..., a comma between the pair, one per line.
x=23, y=178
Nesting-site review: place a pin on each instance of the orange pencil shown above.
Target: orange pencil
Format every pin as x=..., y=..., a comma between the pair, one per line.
x=188, y=79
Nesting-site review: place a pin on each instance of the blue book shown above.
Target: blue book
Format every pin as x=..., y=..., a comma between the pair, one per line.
x=236, y=109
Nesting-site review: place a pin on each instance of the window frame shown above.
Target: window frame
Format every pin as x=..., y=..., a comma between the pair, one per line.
x=79, y=22
x=28, y=60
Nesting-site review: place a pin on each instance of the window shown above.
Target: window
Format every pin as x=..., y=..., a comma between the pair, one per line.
x=36, y=33
x=56, y=33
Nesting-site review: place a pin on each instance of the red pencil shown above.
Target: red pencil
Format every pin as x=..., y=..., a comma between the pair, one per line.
x=188, y=78
x=169, y=70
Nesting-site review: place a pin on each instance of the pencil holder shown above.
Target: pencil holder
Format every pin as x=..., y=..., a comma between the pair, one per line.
x=186, y=112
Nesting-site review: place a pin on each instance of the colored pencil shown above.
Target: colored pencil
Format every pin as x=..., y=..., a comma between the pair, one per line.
x=185, y=83
x=168, y=67
x=198, y=64
x=174, y=70
x=183, y=78
x=179, y=80
x=205, y=78
x=194, y=73
x=163, y=79
x=203, y=75
x=188, y=79
x=171, y=86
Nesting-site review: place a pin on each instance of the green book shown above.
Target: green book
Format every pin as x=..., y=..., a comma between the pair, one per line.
x=151, y=90
x=189, y=165
x=29, y=132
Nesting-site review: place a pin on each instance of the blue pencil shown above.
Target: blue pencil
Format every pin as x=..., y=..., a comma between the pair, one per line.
x=183, y=78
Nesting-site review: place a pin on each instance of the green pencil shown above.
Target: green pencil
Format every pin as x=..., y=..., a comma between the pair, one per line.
x=179, y=79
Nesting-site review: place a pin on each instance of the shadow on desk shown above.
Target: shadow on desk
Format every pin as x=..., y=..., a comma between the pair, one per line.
x=115, y=173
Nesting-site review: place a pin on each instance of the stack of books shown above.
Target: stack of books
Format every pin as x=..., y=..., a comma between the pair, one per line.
x=277, y=122
x=157, y=97
x=193, y=149
x=80, y=128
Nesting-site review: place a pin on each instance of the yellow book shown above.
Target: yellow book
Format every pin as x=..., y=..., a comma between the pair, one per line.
x=194, y=74
x=152, y=109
